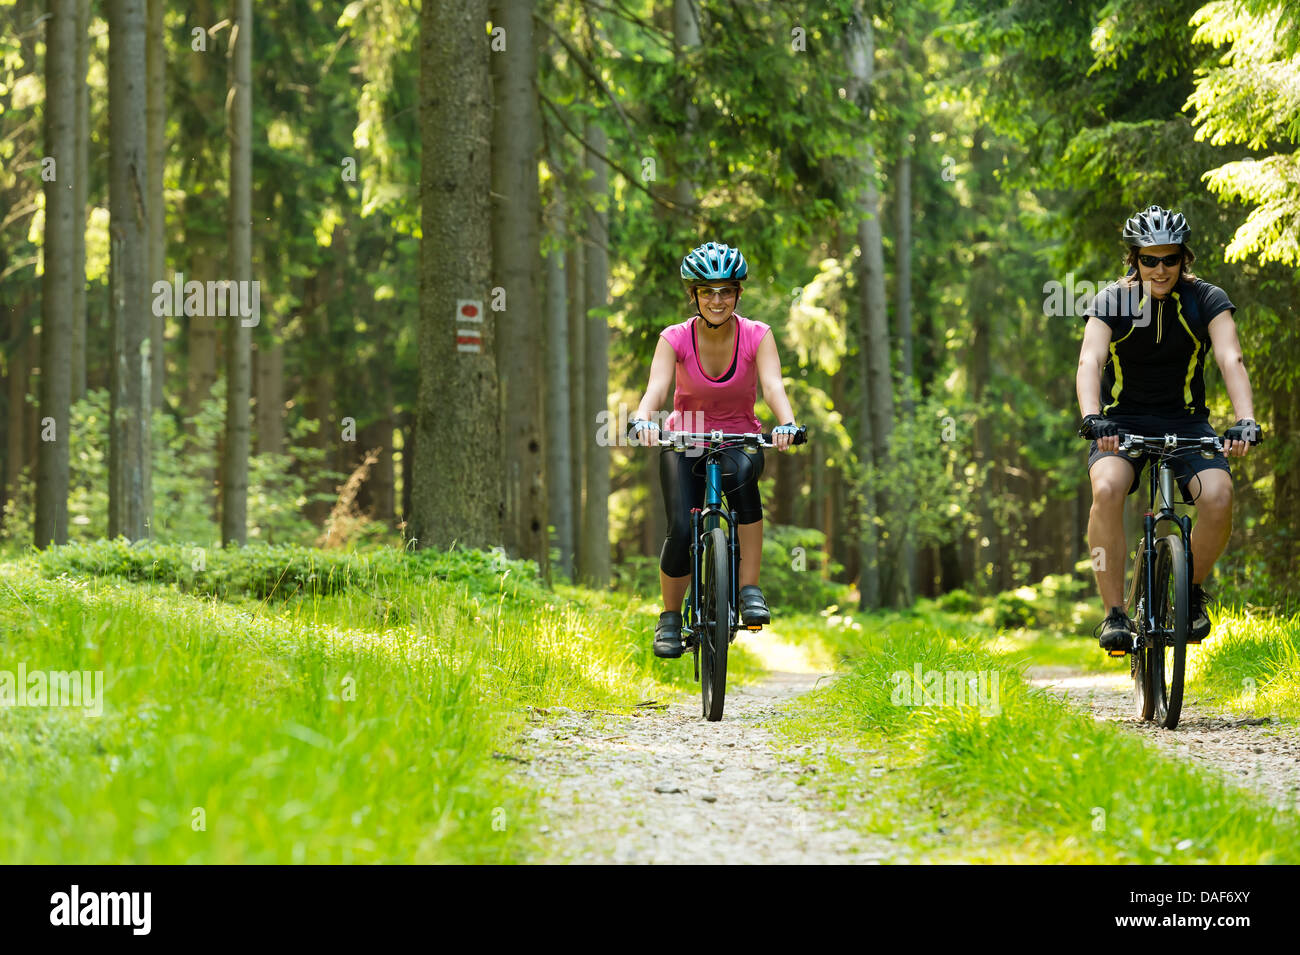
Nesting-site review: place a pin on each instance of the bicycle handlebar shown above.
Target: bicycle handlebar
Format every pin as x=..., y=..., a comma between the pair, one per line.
x=762, y=439
x=1135, y=444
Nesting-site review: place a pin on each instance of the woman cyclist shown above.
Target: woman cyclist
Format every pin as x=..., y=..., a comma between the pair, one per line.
x=1141, y=370
x=718, y=357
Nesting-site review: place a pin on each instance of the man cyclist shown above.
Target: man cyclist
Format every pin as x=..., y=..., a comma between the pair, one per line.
x=1141, y=370
x=718, y=358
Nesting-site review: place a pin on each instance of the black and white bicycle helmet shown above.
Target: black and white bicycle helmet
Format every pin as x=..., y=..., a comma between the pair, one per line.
x=1156, y=226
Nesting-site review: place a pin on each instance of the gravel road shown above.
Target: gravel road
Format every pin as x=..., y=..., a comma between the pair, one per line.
x=665, y=786
x=1255, y=752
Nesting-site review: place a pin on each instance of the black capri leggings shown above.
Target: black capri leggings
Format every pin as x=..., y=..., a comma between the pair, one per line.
x=683, y=479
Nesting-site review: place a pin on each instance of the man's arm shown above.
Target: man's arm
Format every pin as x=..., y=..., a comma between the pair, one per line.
x=1227, y=352
x=1087, y=380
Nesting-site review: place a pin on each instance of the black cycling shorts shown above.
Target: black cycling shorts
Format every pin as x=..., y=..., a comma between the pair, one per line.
x=1187, y=462
x=682, y=476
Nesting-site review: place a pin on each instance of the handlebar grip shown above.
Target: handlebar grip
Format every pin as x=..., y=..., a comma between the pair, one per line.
x=800, y=435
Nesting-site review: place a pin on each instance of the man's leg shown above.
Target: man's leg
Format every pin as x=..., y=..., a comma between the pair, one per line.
x=1213, y=520
x=1111, y=477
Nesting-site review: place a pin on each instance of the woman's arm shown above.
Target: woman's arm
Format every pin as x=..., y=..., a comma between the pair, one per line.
x=769, y=376
x=1227, y=352
x=662, y=368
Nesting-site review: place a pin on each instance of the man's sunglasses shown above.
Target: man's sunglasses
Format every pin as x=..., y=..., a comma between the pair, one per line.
x=1151, y=261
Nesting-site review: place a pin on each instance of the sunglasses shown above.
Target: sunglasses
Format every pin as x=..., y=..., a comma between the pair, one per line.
x=724, y=291
x=1151, y=261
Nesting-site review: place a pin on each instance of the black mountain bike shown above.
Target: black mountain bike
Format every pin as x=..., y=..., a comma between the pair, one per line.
x=1160, y=592
x=711, y=617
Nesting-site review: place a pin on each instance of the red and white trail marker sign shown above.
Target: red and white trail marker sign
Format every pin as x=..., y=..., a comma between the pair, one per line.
x=468, y=339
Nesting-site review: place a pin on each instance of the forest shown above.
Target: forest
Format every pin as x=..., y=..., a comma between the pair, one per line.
x=927, y=192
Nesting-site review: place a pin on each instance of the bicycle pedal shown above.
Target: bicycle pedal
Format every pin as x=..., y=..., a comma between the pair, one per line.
x=759, y=627
x=1116, y=653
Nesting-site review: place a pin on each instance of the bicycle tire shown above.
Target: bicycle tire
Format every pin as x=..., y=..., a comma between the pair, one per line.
x=1143, y=695
x=715, y=620
x=1173, y=610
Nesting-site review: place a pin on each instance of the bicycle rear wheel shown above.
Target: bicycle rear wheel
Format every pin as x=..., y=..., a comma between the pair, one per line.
x=1172, y=600
x=715, y=617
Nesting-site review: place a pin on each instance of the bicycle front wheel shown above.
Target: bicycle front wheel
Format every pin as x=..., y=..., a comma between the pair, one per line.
x=715, y=617
x=1172, y=605
x=1140, y=659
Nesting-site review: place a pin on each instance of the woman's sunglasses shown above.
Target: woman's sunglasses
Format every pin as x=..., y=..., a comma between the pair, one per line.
x=1151, y=261
x=720, y=291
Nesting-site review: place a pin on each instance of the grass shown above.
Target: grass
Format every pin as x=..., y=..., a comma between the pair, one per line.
x=1027, y=780
x=356, y=722
x=1250, y=663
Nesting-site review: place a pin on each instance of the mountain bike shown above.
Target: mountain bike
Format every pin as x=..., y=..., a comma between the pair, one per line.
x=710, y=617
x=1160, y=591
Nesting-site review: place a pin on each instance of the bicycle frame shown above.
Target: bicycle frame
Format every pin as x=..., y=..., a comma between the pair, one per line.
x=1161, y=483
x=705, y=519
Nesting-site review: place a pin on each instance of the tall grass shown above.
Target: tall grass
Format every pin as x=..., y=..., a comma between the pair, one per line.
x=371, y=721
x=1033, y=781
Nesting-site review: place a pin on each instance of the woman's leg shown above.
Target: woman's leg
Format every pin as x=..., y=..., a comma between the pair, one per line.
x=675, y=558
x=751, y=551
x=743, y=498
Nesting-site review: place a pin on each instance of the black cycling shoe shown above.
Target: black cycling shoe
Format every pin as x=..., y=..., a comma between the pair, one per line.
x=1116, y=631
x=668, y=635
x=753, y=608
x=1200, y=620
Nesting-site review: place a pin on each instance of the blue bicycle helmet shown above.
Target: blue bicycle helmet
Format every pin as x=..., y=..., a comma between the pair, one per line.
x=713, y=262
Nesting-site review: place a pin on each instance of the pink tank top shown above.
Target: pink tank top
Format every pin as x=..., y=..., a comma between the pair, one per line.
x=701, y=403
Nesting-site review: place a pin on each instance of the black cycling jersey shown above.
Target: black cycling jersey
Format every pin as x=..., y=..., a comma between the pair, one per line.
x=1157, y=348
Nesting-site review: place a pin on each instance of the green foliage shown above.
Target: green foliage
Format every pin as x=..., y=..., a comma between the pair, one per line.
x=795, y=573
x=1252, y=96
x=262, y=571
x=184, y=503
x=1011, y=612
x=959, y=601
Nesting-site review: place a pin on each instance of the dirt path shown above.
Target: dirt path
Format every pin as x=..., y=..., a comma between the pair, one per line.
x=1254, y=752
x=667, y=787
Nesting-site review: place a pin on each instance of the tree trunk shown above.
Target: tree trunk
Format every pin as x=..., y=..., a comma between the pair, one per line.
x=516, y=132
x=268, y=360
x=203, y=345
x=875, y=395
x=80, y=193
x=129, y=504
x=457, y=478
x=51, y=525
x=156, y=123
x=234, y=470
x=983, y=304
x=18, y=373
x=595, y=567
x=559, y=414
x=903, y=281
x=575, y=284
